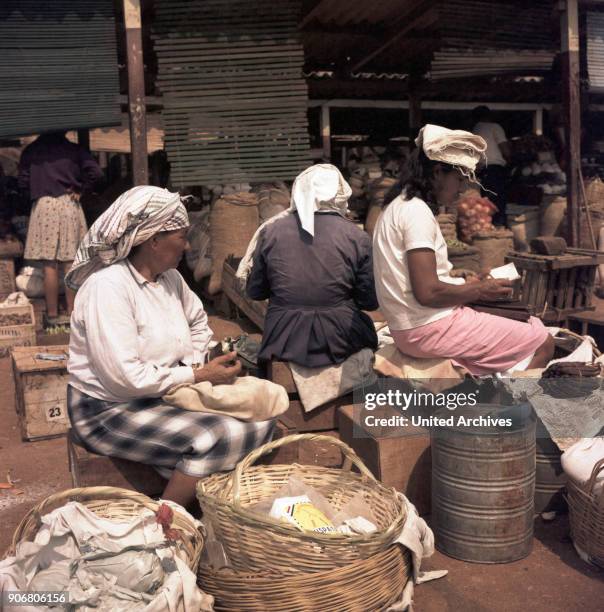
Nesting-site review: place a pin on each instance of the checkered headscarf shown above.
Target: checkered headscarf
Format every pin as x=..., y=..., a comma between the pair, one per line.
x=137, y=215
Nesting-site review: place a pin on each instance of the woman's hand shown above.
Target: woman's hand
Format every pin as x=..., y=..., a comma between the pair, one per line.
x=220, y=371
x=492, y=289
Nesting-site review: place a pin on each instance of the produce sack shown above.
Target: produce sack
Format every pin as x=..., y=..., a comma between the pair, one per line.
x=233, y=221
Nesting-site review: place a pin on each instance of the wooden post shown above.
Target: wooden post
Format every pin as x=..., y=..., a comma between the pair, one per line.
x=538, y=122
x=415, y=115
x=572, y=114
x=326, y=132
x=136, y=92
x=84, y=139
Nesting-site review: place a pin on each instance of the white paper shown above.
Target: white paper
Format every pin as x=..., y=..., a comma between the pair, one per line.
x=507, y=272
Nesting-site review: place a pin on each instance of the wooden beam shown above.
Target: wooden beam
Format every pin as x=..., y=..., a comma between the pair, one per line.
x=423, y=18
x=136, y=92
x=572, y=114
x=310, y=15
x=538, y=122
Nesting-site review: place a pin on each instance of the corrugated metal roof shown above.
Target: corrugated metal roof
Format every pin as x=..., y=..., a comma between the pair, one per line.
x=359, y=12
x=595, y=51
x=58, y=67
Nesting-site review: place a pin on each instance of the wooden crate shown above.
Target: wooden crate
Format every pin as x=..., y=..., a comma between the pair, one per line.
x=7, y=276
x=20, y=330
x=305, y=452
x=399, y=457
x=92, y=470
x=41, y=392
x=324, y=418
x=555, y=286
x=253, y=310
x=10, y=247
x=39, y=305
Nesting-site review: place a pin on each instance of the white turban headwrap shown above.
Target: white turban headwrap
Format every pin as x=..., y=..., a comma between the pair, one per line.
x=318, y=189
x=463, y=150
x=137, y=215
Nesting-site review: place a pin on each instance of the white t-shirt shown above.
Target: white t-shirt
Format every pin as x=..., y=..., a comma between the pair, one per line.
x=494, y=135
x=130, y=336
x=403, y=226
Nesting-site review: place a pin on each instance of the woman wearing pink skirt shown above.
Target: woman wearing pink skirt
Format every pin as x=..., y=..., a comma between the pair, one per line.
x=425, y=307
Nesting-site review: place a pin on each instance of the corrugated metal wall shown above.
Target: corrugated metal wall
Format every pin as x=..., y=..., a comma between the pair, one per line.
x=489, y=37
x=595, y=51
x=235, y=100
x=58, y=65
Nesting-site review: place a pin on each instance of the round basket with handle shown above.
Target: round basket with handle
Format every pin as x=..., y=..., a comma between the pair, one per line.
x=114, y=504
x=586, y=514
x=257, y=542
x=366, y=585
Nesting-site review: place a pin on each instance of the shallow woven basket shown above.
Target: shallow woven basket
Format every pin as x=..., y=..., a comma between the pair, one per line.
x=114, y=504
x=364, y=586
x=586, y=513
x=255, y=542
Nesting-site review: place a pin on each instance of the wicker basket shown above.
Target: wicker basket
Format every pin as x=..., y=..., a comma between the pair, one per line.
x=364, y=586
x=254, y=542
x=20, y=334
x=119, y=505
x=586, y=513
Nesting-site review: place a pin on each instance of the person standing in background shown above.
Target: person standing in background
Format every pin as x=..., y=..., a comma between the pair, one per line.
x=494, y=176
x=55, y=172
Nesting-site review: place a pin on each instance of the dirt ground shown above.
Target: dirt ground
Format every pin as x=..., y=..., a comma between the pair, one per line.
x=551, y=579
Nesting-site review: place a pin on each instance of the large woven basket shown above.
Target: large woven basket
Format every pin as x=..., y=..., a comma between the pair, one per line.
x=586, y=513
x=114, y=504
x=254, y=542
x=367, y=585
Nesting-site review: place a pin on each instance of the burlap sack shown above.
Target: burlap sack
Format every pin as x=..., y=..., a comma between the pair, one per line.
x=233, y=220
x=553, y=210
x=493, y=247
x=273, y=198
x=465, y=259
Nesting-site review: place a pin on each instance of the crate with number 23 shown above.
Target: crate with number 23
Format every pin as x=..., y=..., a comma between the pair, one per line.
x=41, y=390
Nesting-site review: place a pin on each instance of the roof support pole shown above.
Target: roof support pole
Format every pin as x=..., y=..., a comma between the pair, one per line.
x=136, y=92
x=538, y=122
x=572, y=113
x=326, y=132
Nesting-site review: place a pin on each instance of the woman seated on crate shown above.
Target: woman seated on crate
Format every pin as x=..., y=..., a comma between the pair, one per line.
x=136, y=331
x=315, y=268
x=424, y=306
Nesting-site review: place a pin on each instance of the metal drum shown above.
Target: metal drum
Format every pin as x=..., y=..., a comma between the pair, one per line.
x=483, y=485
x=550, y=478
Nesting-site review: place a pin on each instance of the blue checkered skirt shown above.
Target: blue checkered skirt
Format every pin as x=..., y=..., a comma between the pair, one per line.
x=152, y=432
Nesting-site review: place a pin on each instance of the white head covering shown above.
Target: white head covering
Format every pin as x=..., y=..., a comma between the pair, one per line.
x=463, y=150
x=137, y=215
x=320, y=188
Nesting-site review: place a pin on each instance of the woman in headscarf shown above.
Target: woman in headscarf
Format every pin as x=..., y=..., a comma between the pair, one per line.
x=424, y=306
x=137, y=331
x=315, y=268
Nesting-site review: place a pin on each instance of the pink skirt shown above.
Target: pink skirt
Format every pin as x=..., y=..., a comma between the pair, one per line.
x=482, y=343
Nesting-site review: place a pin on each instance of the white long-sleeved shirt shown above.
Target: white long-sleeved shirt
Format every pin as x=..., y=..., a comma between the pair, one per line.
x=133, y=338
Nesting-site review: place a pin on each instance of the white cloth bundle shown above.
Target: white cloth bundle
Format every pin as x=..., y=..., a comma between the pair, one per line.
x=461, y=149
